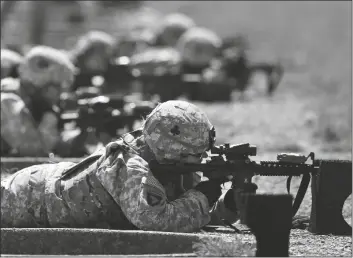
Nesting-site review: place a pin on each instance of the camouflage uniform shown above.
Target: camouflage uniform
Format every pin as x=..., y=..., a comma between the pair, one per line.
x=29, y=114
x=114, y=187
x=10, y=61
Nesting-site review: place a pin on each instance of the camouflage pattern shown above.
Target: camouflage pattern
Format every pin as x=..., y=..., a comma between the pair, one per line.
x=18, y=128
x=101, y=194
x=156, y=62
x=199, y=46
x=173, y=26
x=175, y=129
x=45, y=66
x=113, y=188
x=10, y=60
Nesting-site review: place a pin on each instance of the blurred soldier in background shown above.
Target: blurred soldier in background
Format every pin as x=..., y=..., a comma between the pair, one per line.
x=92, y=56
x=134, y=42
x=232, y=67
x=115, y=188
x=10, y=62
x=198, y=47
x=171, y=71
x=30, y=112
x=158, y=71
x=235, y=69
x=172, y=27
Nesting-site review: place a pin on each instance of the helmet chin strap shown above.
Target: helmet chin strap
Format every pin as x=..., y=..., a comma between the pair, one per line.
x=147, y=153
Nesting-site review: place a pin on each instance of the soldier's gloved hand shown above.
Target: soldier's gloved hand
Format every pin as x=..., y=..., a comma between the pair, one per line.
x=249, y=188
x=229, y=198
x=211, y=189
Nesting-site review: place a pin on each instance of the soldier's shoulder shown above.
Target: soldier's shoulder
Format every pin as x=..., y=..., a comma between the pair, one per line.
x=9, y=84
x=10, y=96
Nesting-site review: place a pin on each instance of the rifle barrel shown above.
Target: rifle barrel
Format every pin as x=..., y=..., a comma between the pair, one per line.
x=264, y=168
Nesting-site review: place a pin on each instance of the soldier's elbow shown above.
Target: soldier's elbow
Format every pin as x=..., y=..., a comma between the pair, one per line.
x=164, y=222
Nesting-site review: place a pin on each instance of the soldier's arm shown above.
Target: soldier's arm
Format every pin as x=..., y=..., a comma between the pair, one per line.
x=144, y=202
x=18, y=128
x=146, y=205
x=48, y=128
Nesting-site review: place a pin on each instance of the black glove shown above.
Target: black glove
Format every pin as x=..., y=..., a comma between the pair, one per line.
x=211, y=189
x=249, y=188
x=229, y=198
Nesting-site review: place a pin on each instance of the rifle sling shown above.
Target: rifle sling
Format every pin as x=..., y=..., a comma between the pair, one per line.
x=303, y=187
x=83, y=163
x=288, y=184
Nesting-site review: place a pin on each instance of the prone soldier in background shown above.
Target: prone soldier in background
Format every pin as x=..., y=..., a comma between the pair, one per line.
x=199, y=49
x=173, y=26
x=133, y=42
x=30, y=115
x=10, y=61
x=170, y=72
x=235, y=69
x=92, y=55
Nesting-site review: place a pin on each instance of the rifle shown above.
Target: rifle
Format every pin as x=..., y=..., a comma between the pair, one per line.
x=233, y=161
x=269, y=217
x=108, y=114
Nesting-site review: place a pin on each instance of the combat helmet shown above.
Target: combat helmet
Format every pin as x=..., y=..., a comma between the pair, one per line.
x=44, y=65
x=173, y=27
x=10, y=60
x=175, y=129
x=134, y=41
x=97, y=43
x=199, y=46
x=95, y=39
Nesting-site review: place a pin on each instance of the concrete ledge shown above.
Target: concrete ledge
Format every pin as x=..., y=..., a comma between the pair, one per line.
x=55, y=241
